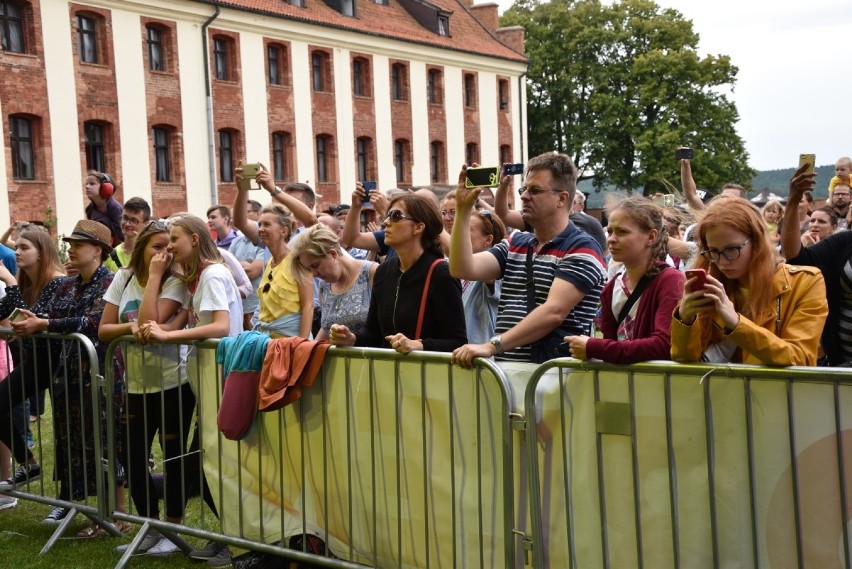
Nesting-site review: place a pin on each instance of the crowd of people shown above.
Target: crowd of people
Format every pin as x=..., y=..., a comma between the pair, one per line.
x=702, y=280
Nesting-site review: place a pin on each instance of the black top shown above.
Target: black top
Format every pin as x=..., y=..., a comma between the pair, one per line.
x=590, y=225
x=395, y=304
x=831, y=256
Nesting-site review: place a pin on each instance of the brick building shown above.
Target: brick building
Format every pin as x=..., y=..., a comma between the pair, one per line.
x=168, y=96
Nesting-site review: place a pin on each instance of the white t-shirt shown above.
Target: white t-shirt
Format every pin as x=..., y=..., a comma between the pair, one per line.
x=216, y=291
x=155, y=367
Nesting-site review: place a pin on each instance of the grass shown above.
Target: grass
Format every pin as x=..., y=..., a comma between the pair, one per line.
x=22, y=535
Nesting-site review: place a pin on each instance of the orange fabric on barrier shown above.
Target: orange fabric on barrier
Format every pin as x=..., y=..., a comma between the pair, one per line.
x=289, y=364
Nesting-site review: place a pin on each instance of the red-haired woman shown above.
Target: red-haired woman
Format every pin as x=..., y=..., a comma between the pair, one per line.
x=754, y=308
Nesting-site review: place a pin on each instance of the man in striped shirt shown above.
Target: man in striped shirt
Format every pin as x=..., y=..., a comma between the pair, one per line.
x=552, y=276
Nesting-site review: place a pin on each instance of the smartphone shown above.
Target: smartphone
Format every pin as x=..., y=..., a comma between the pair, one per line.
x=810, y=159
x=684, y=154
x=513, y=169
x=666, y=200
x=17, y=315
x=482, y=177
x=700, y=274
x=248, y=174
x=368, y=186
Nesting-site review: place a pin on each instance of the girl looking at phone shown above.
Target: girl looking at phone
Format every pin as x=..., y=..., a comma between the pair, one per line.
x=753, y=308
x=636, y=305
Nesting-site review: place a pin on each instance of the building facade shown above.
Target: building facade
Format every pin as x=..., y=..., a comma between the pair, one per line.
x=169, y=96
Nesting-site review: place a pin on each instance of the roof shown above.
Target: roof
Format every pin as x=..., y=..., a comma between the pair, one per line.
x=467, y=34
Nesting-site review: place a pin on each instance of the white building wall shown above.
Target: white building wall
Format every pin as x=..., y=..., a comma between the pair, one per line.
x=196, y=141
x=300, y=61
x=255, y=102
x=384, y=134
x=489, y=141
x=346, y=170
x=454, y=108
x=420, y=171
x=132, y=115
x=62, y=105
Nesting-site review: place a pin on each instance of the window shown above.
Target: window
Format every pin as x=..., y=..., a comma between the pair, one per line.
x=155, y=49
x=362, y=149
x=87, y=39
x=23, y=157
x=471, y=153
x=382, y=2
x=162, y=154
x=347, y=7
x=503, y=94
x=358, y=77
x=469, y=91
x=400, y=159
x=505, y=154
x=93, y=134
x=296, y=3
x=434, y=87
x=399, y=82
x=227, y=141
x=322, y=158
x=436, y=154
x=319, y=72
x=220, y=58
x=11, y=28
x=443, y=26
x=280, y=150
x=273, y=56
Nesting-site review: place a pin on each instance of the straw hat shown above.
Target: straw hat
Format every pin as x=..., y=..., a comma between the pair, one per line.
x=92, y=232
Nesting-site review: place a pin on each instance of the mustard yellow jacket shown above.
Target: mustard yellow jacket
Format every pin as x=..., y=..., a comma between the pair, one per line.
x=791, y=340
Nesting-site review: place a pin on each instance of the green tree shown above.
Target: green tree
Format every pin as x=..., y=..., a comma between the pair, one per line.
x=618, y=87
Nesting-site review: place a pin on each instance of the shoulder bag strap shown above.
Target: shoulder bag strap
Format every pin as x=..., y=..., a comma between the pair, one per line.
x=423, y=298
x=634, y=296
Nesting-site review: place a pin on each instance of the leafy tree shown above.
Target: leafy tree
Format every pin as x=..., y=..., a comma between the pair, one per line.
x=618, y=87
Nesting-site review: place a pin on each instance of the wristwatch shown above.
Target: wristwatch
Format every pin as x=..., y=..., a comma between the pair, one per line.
x=497, y=342
x=276, y=191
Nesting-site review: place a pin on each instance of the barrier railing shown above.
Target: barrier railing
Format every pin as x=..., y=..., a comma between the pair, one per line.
x=662, y=465
x=391, y=461
x=75, y=433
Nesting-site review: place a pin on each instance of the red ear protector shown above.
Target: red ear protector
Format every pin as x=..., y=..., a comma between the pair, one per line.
x=107, y=187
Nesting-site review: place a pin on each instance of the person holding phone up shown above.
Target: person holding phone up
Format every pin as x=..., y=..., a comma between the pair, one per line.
x=753, y=308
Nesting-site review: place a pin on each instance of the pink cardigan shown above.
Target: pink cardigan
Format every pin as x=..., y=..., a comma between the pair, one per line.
x=653, y=324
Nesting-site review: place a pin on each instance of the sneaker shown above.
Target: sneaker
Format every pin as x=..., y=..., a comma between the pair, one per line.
x=222, y=559
x=209, y=551
x=152, y=538
x=164, y=547
x=55, y=516
x=24, y=475
x=7, y=502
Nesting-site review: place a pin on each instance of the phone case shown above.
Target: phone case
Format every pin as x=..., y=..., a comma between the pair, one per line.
x=484, y=177
x=810, y=159
x=513, y=169
x=249, y=171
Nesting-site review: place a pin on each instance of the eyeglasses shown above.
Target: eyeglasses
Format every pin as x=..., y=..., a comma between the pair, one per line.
x=535, y=190
x=448, y=213
x=395, y=216
x=130, y=220
x=730, y=253
x=154, y=225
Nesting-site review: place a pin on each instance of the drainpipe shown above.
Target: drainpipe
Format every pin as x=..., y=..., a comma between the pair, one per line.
x=521, y=85
x=211, y=149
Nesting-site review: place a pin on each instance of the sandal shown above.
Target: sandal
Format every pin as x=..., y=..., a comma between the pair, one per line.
x=122, y=526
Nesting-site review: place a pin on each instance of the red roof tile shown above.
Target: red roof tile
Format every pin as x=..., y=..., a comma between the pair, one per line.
x=392, y=21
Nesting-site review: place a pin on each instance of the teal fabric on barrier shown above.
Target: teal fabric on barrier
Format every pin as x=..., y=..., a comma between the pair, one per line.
x=244, y=352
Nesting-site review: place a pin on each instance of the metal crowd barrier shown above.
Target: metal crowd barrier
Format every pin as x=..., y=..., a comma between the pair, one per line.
x=70, y=397
x=393, y=461
x=666, y=465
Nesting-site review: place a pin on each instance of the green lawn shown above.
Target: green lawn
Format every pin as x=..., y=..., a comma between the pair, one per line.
x=22, y=535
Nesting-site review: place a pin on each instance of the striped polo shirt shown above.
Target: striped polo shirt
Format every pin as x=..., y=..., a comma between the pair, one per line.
x=572, y=255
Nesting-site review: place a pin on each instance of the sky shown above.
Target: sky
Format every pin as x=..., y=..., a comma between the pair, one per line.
x=794, y=86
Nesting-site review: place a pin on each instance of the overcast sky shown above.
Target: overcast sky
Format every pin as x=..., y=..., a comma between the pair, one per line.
x=794, y=86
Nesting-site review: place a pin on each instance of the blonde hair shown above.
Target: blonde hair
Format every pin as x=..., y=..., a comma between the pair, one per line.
x=285, y=220
x=206, y=253
x=317, y=241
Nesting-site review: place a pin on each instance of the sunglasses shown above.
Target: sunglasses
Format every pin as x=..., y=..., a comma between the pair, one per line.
x=268, y=285
x=396, y=216
x=154, y=226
